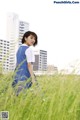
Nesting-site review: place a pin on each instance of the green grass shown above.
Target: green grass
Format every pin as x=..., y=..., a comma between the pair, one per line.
x=54, y=98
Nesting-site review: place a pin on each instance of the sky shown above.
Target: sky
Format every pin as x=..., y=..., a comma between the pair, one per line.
x=57, y=27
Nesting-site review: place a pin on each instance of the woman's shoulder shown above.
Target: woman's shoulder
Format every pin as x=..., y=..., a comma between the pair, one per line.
x=29, y=49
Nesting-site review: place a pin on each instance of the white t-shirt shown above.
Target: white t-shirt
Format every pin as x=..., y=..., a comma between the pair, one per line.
x=29, y=54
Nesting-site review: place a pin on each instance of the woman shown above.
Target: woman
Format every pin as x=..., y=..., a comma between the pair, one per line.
x=25, y=59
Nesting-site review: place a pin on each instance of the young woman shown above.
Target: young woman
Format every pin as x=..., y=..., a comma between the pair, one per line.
x=25, y=59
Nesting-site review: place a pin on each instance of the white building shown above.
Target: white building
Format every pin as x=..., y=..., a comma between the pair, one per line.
x=40, y=63
x=4, y=55
x=23, y=27
x=15, y=31
x=12, y=37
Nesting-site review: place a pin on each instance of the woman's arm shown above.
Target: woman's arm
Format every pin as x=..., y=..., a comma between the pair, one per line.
x=30, y=68
x=30, y=59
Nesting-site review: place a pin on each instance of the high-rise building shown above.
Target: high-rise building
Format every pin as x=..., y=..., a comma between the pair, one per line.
x=12, y=37
x=4, y=55
x=15, y=31
x=40, y=63
x=23, y=27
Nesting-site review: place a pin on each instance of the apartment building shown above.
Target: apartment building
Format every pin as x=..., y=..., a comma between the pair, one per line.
x=4, y=55
x=23, y=27
x=15, y=31
x=40, y=63
x=12, y=37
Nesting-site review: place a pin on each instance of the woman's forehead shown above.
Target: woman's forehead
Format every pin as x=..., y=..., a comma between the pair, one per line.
x=32, y=36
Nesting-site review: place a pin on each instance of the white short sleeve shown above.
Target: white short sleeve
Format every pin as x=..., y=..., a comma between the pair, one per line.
x=30, y=55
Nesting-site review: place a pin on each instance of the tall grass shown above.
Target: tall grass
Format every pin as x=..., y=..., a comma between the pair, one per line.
x=53, y=98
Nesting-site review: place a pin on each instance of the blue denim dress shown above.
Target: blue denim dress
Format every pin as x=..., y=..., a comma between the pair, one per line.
x=21, y=73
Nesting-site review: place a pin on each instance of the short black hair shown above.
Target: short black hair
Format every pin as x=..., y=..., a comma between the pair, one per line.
x=27, y=34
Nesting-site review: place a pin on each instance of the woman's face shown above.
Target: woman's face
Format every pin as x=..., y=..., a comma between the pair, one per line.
x=30, y=40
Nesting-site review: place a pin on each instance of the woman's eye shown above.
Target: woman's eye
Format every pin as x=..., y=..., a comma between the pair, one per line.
x=31, y=37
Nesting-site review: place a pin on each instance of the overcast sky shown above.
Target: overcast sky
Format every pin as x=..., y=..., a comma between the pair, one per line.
x=57, y=26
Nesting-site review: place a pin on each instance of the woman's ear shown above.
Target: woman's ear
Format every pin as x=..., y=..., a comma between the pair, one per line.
x=25, y=39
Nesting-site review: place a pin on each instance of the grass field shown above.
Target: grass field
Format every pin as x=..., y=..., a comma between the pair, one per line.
x=54, y=98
